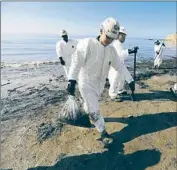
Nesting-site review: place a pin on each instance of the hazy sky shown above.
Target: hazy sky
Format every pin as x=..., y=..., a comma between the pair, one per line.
x=141, y=19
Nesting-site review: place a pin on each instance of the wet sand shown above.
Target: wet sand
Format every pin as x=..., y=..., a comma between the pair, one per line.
x=144, y=131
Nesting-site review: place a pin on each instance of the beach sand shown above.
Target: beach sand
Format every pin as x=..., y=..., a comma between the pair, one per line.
x=144, y=130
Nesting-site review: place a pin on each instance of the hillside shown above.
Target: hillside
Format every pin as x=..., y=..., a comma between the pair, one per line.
x=172, y=38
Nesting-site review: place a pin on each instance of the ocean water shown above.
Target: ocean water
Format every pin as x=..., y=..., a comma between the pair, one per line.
x=31, y=49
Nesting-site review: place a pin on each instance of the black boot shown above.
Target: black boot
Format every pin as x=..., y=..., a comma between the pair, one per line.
x=117, y=99
x=106, y=138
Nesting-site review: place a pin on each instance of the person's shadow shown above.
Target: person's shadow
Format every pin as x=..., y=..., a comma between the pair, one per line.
x=114, y=158
x=153, y=95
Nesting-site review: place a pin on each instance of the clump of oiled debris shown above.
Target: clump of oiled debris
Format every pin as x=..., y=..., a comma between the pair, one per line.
x=48, y=130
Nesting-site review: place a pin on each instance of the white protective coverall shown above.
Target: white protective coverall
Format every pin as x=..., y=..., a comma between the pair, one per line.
x=158, y=57
x=116, y=79
x=90, y=66
x=175, y=87
x=65, y=50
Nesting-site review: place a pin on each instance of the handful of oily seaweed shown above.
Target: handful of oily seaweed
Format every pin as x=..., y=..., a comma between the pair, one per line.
x=70, y=111
x=73, y=114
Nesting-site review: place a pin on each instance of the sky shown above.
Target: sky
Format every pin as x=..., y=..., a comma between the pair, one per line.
x=141, y=19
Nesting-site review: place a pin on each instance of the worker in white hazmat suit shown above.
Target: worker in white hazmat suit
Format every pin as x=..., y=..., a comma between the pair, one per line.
x=64, y=49
x=158, y=49
x=117, y=80
x=89, y=67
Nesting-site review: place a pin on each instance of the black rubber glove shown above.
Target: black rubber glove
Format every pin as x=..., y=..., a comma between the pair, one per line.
x=71, y=87
x=107, y=85
x=62, y=61
x=132, y=86
x=134, y=50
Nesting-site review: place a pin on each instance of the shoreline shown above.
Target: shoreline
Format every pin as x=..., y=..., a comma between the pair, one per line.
x=50, y=86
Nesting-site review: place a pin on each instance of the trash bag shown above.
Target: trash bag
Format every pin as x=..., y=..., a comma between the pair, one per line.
x=70, y=112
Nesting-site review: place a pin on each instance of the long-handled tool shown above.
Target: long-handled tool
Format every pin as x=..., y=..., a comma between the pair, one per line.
x=134, y=76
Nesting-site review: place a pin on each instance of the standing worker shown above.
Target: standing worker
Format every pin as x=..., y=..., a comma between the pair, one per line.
x=117, y=80
x=89, y=68
x=64, y=49
x=158, y=49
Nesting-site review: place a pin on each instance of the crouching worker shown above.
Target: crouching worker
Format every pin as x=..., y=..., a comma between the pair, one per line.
x=89, y=68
